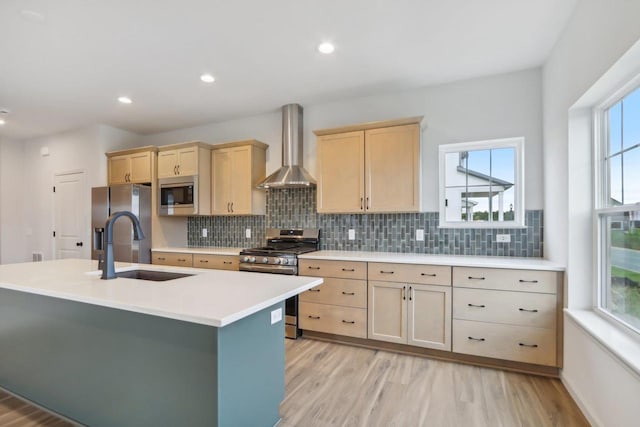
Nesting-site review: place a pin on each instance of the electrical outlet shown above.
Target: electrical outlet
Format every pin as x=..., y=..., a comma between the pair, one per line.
x=352, y=234
x=503, y=238
x=420, y=235
x=276, y=316
x=205, y=232
x=247, y=233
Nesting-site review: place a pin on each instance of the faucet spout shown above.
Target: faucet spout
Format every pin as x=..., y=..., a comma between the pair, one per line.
x=109, y=270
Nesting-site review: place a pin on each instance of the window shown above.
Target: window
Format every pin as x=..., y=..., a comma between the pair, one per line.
x=618, y=208
x=481, y=184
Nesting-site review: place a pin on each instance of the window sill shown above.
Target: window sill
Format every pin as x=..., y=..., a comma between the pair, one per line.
x=616, y=341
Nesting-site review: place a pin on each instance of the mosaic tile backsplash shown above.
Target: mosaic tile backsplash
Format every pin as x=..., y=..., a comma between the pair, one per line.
x=296, y=208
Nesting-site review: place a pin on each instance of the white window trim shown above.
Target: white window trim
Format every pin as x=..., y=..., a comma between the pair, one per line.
x=601, y=186
x=518, y=144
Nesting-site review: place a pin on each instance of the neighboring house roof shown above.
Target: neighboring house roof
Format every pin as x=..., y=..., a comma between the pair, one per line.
x=488, y=178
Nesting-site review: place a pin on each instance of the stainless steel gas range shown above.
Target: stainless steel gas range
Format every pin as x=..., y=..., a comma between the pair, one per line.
x=280, y=256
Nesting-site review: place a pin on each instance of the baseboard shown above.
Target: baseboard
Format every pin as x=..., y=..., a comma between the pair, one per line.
x=593, y=420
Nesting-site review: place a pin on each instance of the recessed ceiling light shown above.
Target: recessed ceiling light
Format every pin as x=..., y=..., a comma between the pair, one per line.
x=2, y=122
x=32, y=16
x=125, y=100
x=326, y=48
x=207, y=78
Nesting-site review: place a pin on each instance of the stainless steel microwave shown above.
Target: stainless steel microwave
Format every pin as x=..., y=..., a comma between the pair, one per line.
x=178, y=196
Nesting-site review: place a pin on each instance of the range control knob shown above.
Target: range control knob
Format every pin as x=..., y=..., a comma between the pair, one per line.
x=265, y=260
x=276, y=261
x=245, y=259
x=284, y=261
x=252, y=259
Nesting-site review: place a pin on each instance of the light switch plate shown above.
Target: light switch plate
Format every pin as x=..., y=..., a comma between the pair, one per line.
x=420, y=235
x=247, y=233
x=352, y=234
x=205, y=232
x=276, y=316
x=503, y=238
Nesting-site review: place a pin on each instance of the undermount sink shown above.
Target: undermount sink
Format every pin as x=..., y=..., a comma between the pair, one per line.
x=156, y=276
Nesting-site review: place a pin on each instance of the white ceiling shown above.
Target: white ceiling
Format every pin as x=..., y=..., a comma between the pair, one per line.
x=67, y=69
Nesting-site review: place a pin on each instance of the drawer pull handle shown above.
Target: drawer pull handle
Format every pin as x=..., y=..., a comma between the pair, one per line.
x=528, y=311
x=348, y=293
x=314, y=317
x=204, y=260
x=227, y=262
x=528, y=281
x=528, y=345
x=181, y=260
x=476, y=305
x=428, y=274
x=313, y=268
x=476, y=278
x=348, y=269
x=349, y=321
x=476, y=339
x=386, y=272
x=314, y=290
x=161, y=258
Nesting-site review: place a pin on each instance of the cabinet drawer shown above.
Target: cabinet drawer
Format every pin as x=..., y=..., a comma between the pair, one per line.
x=516, y=308
x=505, y=279
x=333, y=319
x=517, y=343
x=344, y=292
x=340, y=269
x=219, y=262
x=410, y=273
x=172, y=258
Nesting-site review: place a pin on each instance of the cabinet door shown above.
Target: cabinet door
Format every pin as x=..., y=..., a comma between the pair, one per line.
x=119, y=169
x=220, y=185
x=341, y=172
x=387, y=312
x=430, y=316
x=188, y=161
x=240, y=180
x=140, y=167
x=167, y=164
x=392, y=169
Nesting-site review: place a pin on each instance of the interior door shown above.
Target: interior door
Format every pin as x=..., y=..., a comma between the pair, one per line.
x=71, y=210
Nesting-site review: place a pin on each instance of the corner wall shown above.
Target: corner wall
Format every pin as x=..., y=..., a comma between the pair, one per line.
x=12, y=226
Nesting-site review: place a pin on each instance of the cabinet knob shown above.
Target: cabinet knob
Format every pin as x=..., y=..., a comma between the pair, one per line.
x=79, y=244
x=528, y=345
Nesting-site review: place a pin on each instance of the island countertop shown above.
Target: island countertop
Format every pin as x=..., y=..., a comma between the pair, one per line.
x=210, y=297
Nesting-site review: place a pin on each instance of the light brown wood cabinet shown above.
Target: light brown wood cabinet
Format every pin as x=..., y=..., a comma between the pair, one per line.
x=185, y=159
x=175, y=259
x=217, y=262
x=133, y=166
x=339, y=305
x=374, y=167
x=507, y=314
x=410, y=313
x=237, y=168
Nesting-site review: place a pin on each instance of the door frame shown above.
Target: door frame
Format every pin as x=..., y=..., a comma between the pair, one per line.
x=86, y=235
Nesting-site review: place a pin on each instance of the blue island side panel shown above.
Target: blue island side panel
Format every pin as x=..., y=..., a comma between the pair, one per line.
x=105, y=367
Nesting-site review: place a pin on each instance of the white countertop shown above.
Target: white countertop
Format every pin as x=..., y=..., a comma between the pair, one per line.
x=453, y=260
x=204, y=251
x=210, y=297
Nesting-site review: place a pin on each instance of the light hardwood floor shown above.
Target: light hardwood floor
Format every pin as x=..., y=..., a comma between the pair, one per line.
x=337, y=385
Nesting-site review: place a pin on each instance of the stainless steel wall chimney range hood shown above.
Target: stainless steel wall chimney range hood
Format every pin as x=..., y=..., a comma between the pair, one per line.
x=291, y=174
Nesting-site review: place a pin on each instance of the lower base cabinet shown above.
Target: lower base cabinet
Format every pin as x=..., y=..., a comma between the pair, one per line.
x=332, y=319
x=181, y=259
x=175, y=259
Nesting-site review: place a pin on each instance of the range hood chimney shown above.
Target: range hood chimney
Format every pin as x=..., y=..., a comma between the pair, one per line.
x=291, y=174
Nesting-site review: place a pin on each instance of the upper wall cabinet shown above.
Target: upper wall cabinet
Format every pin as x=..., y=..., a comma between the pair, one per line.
x=131, y=166
x=237, y=168
x=182, y=159
x=373, y=167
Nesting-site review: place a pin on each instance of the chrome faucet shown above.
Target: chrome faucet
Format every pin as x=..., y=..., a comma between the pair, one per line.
x=109, y=270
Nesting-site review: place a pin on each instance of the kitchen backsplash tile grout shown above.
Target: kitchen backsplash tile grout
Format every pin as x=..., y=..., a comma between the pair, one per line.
x=296, y=208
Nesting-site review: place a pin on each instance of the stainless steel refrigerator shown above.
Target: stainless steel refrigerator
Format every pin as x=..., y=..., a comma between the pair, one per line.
x=127, y=197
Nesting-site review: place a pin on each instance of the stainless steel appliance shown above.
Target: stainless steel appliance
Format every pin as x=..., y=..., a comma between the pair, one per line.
x=127, y=197
x=280, y=256
x=178, y=196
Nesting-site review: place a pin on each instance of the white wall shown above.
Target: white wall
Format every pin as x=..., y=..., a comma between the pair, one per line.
x=12, y=226
x=597, y=35
x=80, y=149
x=484, y=108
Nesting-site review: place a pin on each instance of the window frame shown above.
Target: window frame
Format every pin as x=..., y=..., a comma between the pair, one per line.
x=516, y=143
x=601, y=209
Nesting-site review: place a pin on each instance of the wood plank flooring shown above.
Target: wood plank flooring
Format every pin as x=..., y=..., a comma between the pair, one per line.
x=337, y=385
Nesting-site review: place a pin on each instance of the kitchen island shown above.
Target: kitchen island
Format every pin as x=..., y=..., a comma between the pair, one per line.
x=203, y=350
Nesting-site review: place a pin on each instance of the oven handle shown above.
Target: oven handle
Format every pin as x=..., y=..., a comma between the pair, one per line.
x=263, y=268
